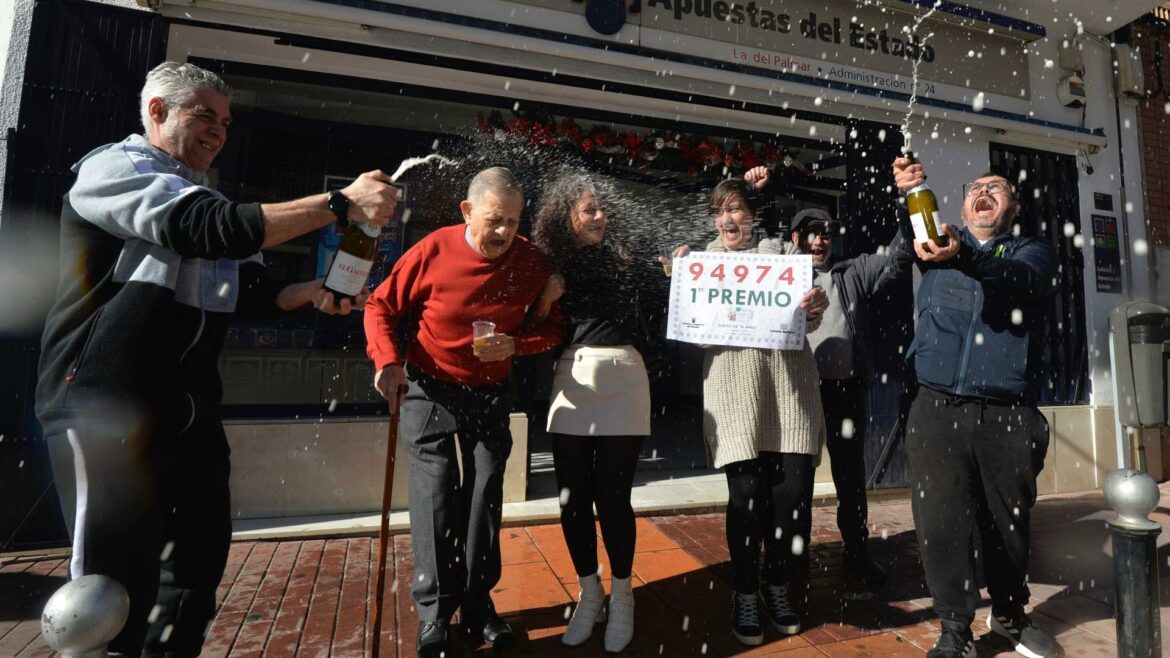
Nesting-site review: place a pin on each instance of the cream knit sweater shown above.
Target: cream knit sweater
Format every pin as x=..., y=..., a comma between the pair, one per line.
x=756, y=399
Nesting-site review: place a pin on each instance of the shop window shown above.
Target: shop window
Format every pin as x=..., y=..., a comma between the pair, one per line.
x=295, y=138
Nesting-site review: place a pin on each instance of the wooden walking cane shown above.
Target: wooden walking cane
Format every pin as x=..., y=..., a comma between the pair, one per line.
x=384, y=528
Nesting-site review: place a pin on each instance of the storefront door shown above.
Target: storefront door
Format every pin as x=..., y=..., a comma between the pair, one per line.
x=85, y=67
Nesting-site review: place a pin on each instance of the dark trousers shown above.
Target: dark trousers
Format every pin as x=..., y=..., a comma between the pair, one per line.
x=845, y=400
x=768, y=501
x=455, y=523
x=597, y=470
x=973, y=464
x=154, y=514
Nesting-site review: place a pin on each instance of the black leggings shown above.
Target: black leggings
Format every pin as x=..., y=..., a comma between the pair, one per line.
x=768, y=498
x=597, y=470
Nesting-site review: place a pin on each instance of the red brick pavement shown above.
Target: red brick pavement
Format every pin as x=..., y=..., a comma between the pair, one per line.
x=314, y=597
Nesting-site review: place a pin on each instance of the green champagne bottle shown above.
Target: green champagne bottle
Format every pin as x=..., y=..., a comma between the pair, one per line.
x=923, y=207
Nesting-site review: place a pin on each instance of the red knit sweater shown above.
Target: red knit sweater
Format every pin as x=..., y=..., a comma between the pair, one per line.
x=448, y=285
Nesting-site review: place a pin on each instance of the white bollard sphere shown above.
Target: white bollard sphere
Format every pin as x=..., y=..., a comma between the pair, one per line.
x=84, y=615
x=1133, y=495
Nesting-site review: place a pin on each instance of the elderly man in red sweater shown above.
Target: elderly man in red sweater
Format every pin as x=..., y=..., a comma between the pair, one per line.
x=479, y=270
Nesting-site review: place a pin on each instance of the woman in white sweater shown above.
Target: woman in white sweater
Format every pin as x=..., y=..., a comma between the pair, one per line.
x=763, y=424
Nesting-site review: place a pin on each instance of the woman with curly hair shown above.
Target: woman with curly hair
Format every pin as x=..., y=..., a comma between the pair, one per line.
x=600, y=399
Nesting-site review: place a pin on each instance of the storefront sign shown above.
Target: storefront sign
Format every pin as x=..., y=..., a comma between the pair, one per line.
x=840, y=41
x=739, y=299
x=862, y=44
x=1106, y=254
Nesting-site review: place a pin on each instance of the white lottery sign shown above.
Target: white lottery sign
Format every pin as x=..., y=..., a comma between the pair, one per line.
x=739, y=299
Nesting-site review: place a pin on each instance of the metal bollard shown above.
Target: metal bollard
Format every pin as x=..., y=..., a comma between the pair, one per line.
x=83, y=616
x=1133, y=495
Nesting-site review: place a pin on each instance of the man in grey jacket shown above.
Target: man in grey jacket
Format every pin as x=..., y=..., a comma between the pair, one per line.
x=153, y=265
x=845, y=361
x=844, y=355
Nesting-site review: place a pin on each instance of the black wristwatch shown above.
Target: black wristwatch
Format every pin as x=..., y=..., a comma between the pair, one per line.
x=339, y=204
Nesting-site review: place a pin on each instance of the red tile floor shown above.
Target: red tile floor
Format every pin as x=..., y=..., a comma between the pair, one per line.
x=309, y=597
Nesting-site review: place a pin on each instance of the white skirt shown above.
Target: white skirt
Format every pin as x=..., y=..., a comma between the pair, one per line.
x=600, y=391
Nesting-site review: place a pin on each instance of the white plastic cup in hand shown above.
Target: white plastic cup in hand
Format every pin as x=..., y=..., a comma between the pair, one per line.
x=480, y=329
x=667, y=251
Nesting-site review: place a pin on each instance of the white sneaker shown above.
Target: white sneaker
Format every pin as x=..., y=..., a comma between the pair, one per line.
x=620, y=629
x=1026, y=639
x=589, y=611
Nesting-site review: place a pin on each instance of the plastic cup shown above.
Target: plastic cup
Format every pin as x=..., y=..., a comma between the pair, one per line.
x=480, y=329
x=667, y=251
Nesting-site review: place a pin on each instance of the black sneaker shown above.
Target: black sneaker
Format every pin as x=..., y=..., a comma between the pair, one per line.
x=745, y=619
x=863, y=576
x=1017, y=627
x=779, y=609
x=433, y=639
x=954, y=641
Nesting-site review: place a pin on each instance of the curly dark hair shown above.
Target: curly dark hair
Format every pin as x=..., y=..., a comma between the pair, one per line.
x=552, y=230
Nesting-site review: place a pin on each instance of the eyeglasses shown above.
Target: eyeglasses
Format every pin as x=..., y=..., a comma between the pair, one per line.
x=730, y=210
x=993, y=187
x=823, y=230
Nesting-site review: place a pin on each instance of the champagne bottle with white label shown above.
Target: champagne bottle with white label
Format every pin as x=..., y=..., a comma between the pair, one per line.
x=923, y=208
x=354, y=260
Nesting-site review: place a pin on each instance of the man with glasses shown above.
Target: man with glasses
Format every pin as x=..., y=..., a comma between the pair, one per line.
x=845, y=362
x=975, y=440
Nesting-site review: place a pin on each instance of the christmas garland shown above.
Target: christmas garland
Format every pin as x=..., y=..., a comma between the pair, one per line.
x=659, y=149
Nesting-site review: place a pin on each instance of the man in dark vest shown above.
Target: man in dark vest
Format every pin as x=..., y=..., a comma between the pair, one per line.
x=975, y=440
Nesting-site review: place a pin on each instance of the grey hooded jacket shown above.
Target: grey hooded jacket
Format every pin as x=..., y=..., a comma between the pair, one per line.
x=859, y=278
x=150, y=262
